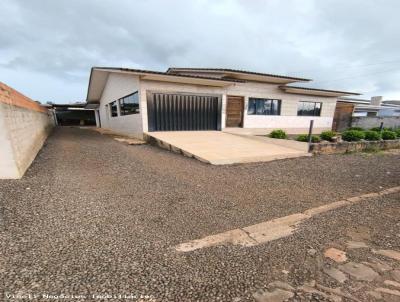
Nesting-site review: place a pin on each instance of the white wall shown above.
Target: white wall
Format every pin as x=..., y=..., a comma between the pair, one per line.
x=117, y=86
x=288, y=119
x=22, y=134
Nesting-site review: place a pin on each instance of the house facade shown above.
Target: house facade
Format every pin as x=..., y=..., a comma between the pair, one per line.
x=134, y=102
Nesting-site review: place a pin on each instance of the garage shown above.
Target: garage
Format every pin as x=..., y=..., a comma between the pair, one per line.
x=180, y=112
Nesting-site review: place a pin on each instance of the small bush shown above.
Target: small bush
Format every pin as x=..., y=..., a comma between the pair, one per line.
x=315, y=139
x=278, y=134
x=387, y=134
x=304, y=138
x=372, y=135
x=352, y=135
x=377, y=129
x=397, y=132
x=356, y=128
x=328, y=135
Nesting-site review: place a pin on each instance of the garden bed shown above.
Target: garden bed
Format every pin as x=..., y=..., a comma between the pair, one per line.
x=351, y=140
x=345, y=147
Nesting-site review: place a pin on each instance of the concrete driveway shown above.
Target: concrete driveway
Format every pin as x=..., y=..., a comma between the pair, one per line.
x=219, y=148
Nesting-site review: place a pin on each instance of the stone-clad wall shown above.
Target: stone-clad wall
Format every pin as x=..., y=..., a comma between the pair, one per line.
x=344, y=147
x=24, y=126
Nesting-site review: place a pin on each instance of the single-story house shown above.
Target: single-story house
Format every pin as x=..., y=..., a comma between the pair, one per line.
x=134, y=102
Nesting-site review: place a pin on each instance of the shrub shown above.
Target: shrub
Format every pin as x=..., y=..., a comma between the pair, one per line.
x=356, y=128
x=372, y=135
x=387, y=134
x=278, y=134
x=304, y=138
x=315, y=139
x=377, y=129
x=352, y=135
x=397, y=132
x=328, y=135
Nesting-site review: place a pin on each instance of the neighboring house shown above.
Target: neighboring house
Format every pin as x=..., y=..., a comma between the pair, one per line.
x=366, y=113
x=376, y=106
x=133, y=102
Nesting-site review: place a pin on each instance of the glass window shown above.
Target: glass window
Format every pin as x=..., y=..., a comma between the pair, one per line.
x=129, y=104
x=259, y=106
x=309, y=109
x=113, y=109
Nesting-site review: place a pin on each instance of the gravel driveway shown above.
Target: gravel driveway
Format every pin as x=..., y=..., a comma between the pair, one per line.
x=93, y=216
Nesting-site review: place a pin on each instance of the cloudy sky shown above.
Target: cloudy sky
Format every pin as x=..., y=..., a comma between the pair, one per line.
x=47, y=47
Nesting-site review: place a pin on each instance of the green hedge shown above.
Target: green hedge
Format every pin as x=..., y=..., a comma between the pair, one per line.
x=372, y=135
x=304, y=138
x=387, y=135
x=353, y=135
x=328, y=135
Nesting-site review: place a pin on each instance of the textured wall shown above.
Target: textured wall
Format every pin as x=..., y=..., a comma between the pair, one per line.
x=24, y=126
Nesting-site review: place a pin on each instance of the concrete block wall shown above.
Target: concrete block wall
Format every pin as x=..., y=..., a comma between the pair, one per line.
x=24, y=127
x=368, y=122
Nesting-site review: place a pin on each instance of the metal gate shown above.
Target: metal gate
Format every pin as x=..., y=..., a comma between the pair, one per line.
x=177, y=112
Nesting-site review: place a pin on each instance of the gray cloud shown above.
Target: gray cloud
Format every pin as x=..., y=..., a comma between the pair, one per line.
x=47, y=47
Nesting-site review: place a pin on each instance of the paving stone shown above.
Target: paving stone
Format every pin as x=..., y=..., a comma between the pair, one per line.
x=311, y=290
x=378, y=265
x=388, y=291
x=356, y=244
x=389, y=253
x=336, y=255
x=277, y=295
x=374, y=294
x=359, y=271
x=395, y=275
x=392, y=283
x=281, y=285
x=336, y=274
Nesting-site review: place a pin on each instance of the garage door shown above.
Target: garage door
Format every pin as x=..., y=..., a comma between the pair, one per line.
x=177, y=112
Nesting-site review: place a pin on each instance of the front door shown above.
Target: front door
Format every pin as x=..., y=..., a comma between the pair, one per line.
x=234, y=111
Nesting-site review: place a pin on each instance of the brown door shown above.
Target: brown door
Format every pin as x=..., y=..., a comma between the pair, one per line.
x=234, y=111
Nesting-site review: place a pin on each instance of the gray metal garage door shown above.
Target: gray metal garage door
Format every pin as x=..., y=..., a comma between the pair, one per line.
x=177, y=112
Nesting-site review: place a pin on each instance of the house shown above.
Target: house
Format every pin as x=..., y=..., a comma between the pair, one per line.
x=376, y=106
x=133, y=101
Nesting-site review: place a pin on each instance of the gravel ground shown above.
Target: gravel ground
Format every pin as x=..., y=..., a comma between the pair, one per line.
x=94, y=216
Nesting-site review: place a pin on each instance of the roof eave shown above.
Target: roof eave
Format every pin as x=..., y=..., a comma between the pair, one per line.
x=316, y=92
x=250, y=75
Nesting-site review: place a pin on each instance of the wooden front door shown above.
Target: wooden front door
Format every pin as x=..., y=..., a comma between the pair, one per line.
x=234, y=111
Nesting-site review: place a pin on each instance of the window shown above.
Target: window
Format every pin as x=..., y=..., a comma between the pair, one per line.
x=113, y=109
x=264, y=107
x=309, y=109
x=129, y=104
